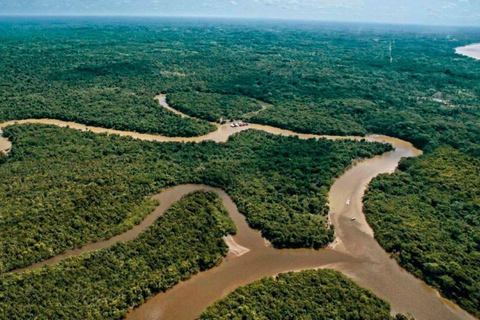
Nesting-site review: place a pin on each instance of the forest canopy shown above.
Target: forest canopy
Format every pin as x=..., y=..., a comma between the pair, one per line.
x=320, y=294
x=62, y=188
x=213, y=106
x=427, y=215
x=321, y=78
x=105, y=284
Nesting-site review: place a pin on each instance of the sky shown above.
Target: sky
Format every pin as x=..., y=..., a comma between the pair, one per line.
x=432, y=12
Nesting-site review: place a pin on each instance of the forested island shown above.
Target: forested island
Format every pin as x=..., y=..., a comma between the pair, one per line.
x=320, y=294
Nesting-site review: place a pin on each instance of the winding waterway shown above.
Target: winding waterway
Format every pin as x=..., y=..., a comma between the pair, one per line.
x=355, y=251
x=472, y=51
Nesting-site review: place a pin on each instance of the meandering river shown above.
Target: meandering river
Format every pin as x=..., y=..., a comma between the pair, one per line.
x=355, y=251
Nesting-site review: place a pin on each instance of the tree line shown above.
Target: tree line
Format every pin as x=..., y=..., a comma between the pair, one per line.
x=105, y=284
x=313, y=294
x=62, y=188
x=427, y=216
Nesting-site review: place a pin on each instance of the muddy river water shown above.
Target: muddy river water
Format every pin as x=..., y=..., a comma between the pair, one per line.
x=355, y=251
x=472, y=51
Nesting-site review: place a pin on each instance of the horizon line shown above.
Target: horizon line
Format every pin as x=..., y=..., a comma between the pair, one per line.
x=13, y=15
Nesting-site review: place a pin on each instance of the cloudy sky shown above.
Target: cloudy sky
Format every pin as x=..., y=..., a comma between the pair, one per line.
x=442, y=12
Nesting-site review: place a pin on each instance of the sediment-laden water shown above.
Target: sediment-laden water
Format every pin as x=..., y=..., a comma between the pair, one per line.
x=355, y=251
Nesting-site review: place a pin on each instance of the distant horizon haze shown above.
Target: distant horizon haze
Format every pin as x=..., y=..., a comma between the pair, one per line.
x=418, y=12
x=235, y=19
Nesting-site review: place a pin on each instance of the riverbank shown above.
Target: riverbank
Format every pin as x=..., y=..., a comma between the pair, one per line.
x=357, y=255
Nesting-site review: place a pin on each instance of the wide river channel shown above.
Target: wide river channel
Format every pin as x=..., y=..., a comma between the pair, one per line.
x=354, y=252
x=472, y=51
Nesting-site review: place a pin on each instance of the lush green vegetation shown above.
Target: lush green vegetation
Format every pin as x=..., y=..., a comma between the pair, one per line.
x=321, y=294
x=213, y=106
x=427, y=216
x=62, y=188
x=105, y=284
x=327, y=78
x=102, y=107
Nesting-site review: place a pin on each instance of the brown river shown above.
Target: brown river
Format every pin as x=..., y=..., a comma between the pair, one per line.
x=472, y=51
x=354, y=252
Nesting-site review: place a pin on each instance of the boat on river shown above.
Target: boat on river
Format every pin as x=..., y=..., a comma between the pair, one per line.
x=239, y=124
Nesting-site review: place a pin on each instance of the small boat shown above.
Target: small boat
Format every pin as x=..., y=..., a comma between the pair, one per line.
x=348, y=202
x=353, y=219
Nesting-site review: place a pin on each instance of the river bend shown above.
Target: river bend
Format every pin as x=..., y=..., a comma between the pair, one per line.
x=354, y=252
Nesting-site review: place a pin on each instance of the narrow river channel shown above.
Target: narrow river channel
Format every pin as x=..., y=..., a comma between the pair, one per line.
x=355, y=251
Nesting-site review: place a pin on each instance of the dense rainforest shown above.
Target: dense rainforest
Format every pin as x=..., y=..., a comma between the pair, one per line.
x=320, y=78
x=105, y=284
x=320, y=294
x=427, y=215
x=213, y=106
x=62, y=188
